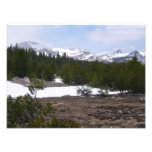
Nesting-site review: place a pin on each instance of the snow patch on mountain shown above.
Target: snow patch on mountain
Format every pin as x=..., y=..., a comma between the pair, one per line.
x=81, y=54
x=30, y=44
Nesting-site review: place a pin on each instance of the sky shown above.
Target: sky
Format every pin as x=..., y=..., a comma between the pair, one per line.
x=95, y=38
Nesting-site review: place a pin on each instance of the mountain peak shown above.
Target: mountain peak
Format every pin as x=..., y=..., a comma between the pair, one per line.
x=118, y=51
x=135, y=51
x=30, y=42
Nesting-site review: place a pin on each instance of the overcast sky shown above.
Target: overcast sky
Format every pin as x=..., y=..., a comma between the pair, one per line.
x=95, y=38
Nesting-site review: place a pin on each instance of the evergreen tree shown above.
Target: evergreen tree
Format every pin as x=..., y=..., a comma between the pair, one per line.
x=20, y=63
x=66, y=73
x=49, y=73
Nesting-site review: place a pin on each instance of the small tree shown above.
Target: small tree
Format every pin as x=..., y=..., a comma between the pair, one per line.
x=84, y=91
x=36, y=84
x=103, y=93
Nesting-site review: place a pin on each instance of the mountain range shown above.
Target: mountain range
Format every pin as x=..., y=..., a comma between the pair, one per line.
x=82, y=54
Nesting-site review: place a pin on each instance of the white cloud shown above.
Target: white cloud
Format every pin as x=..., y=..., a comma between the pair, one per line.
x=20, y=33
x=117, y=34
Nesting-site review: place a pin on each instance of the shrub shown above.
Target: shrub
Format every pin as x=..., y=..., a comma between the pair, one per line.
x=56, y=123
x=22, y=110
x=103, y=93
x=84, y=91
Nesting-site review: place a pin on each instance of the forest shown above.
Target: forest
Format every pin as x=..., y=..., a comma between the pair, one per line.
x=126, y=76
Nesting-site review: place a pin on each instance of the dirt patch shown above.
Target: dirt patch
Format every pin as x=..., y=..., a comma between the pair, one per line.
x=116, y=111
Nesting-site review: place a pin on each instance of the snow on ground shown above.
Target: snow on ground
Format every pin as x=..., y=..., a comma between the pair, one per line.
x=16, y=90
x=58, y=80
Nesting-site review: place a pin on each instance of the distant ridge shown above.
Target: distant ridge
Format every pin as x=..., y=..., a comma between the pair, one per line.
x=81, y=54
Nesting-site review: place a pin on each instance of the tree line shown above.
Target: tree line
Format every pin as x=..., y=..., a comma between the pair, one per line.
x=128, y=75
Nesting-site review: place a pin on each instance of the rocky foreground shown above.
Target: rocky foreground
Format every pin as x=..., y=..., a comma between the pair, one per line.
x=116, y=111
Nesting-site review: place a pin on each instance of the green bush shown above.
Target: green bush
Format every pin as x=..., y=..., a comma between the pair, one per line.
x=56, y=123
x=23, y=110
x=103, y=93
x=84, y=91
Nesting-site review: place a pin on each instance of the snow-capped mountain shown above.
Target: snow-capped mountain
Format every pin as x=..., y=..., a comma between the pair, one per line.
x=30, y=44
x=111, y=56
x=77, y=54
x=139, y=54
x=80, y=54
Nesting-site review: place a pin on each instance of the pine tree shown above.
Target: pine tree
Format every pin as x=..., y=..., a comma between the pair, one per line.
x=49, y=73
x=66, y=73
x=20, y=63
